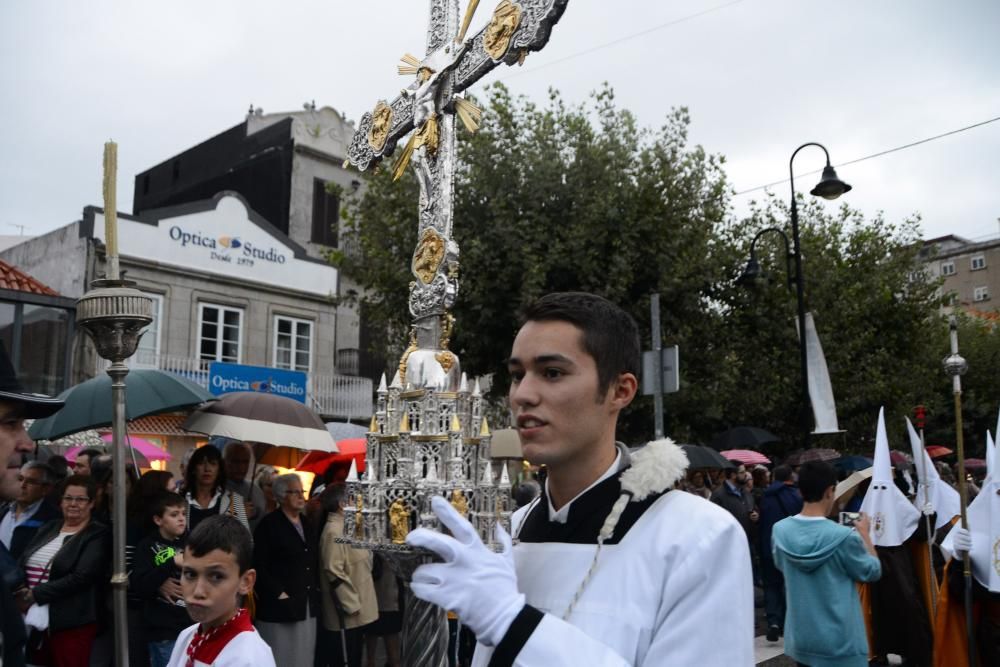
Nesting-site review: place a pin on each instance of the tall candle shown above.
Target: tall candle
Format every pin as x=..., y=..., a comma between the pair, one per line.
x=110, y=208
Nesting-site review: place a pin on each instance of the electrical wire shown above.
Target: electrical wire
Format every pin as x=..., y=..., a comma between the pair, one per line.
x=875, y=155
x=618, y=40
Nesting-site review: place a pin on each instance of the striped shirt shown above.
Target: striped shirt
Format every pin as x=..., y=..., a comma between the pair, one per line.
x=37, y=567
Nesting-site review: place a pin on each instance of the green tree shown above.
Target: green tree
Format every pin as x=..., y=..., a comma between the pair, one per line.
x=876, y=315
x=979, y=344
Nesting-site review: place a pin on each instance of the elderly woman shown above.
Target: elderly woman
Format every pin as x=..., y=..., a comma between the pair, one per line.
x=287, y=590
x=349, y=601
x=66, y=566
x=265, y=482
x=206, y=489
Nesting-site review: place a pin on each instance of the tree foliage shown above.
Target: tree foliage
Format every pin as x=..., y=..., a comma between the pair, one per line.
x=560, y=197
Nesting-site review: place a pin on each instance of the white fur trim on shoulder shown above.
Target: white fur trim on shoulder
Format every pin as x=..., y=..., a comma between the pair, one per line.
x=655, y=468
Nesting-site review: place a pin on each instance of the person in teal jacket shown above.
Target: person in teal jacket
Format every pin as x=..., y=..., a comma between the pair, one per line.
x=822, y=560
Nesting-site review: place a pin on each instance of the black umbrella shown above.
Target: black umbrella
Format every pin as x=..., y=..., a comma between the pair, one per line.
x=147, y=392
x=743, y=437
x=852, y=463
x=705, y=457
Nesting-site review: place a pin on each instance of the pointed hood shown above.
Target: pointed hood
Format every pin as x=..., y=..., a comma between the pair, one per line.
x=984, y=524
x=893, y=517
x=991, y=446
x=931, y=488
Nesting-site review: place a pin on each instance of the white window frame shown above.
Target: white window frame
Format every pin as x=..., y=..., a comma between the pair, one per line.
x=977, y=263
x=274, y=344
x=948, y=268
x=981, y=293
x=218, y=351
x=157, y=327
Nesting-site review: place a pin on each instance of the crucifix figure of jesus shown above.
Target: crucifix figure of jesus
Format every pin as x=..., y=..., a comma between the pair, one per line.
x=426, y=111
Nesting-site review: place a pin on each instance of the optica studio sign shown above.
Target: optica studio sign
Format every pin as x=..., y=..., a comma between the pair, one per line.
x=227, y=248
x=226, y=378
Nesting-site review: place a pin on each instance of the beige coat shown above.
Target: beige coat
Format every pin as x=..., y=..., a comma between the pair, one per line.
x=353, y=569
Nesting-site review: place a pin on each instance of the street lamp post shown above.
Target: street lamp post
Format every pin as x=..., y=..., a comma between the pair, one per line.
x=829, y=187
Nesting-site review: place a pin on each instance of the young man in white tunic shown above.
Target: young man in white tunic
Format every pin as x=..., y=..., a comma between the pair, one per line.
x=610, y=566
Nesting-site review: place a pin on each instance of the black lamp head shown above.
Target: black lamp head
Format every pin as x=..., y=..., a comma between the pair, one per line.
x=829, y=186
x=752, y=274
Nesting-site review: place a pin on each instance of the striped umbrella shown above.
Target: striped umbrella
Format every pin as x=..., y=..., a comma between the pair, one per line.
x=815, y=454
x=745, y=456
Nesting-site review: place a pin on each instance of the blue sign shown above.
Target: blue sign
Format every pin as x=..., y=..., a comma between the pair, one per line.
x=227, y=378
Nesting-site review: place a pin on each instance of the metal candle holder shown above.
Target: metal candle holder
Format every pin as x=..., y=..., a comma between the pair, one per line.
x=113, y=314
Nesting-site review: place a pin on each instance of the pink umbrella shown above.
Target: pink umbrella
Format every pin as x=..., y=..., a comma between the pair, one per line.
x=150, y=450
x=898, y=458
x=144, y=448
x=745, y=456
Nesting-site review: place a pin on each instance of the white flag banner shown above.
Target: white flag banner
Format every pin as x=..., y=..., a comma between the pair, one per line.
x=820, y=390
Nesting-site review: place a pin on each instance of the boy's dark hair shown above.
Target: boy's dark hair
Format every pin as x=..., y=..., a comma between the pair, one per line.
x=225, y=533
x=100, y=468
x=610, y=335
x=203, y=453
x=91, y=453
x=59, y=466
x=815, y=477
x=782, y=473
x=86, y=481
x=164, y=500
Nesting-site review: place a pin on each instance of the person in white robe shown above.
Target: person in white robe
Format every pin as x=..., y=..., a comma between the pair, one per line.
x=611, y=567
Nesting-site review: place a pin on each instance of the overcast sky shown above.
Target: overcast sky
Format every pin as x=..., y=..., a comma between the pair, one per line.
x=760, y=77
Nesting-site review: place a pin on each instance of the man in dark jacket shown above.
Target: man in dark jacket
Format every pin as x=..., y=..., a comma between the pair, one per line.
x=732, y=495
x=781, y=499
x=21, y=519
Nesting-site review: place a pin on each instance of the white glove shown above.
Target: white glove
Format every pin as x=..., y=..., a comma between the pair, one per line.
x=962, y=539
x=479, y=585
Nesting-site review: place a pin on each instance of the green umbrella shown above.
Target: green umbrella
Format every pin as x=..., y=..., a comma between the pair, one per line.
x=147, y=392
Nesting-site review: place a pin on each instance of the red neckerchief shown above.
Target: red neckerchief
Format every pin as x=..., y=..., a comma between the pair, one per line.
x=206, y=646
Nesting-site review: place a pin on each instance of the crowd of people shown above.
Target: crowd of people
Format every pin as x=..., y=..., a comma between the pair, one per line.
x=853, y=573
x=314, y=601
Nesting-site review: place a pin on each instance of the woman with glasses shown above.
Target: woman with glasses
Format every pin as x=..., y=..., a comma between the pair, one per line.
x=66, y=566
x=287, y=589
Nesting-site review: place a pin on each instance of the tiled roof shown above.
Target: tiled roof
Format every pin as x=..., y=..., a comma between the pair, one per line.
x=168, y=424
x=14, y=279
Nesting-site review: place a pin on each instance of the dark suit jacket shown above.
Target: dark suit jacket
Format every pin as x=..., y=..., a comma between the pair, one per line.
x=285, y=564
x=24, y=533
x=78, y=575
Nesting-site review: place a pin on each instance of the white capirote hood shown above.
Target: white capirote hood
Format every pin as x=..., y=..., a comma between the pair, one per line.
x=893, y=516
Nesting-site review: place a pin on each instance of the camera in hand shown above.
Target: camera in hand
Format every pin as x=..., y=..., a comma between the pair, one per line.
x=849, y=518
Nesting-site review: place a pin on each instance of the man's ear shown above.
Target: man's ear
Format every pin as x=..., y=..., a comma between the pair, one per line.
x=623, y=390
x=247, y=581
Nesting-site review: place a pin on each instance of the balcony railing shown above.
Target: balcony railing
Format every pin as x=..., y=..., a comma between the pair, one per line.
x=338, y=396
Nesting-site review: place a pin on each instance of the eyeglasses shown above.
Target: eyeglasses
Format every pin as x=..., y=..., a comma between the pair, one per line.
x=76, y=500
x=294, y=492
x=34, y=482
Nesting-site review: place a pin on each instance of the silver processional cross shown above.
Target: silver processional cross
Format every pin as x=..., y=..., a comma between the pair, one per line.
x=427, y=108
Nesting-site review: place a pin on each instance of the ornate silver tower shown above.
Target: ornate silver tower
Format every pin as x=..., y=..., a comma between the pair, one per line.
x=428, y=436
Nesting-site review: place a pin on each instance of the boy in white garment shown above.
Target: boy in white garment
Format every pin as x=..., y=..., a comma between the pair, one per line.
x=611, y=567
x=215, y=577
